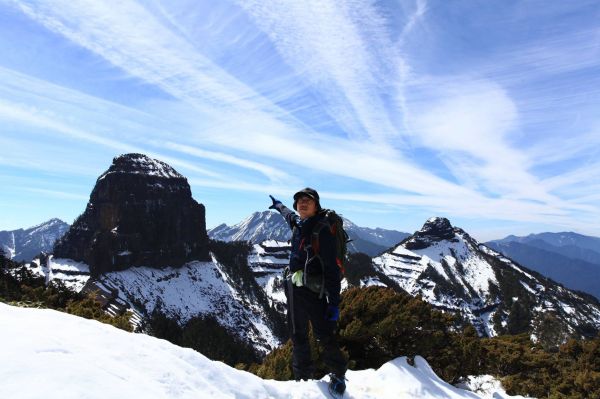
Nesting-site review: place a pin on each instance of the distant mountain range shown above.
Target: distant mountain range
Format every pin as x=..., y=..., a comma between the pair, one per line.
x=269, y=225
x=24, y=244
x=569, y=258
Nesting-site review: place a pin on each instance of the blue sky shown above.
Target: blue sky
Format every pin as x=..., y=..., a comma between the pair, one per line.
x=486, y=112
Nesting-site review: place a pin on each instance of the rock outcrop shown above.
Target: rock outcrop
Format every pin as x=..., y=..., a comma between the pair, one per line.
x=140, y=213
x=434, y=230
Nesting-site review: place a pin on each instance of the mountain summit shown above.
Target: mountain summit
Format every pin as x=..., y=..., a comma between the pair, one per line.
x=140, y=213
x=435, y=229
x=140, y=164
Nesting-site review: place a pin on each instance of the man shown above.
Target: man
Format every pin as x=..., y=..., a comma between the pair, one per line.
x=312, y=289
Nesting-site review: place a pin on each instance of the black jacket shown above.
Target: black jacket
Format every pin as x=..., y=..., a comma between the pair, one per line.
x=302, y=250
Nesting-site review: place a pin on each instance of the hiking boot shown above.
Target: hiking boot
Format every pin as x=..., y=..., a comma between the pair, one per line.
x=337, y=385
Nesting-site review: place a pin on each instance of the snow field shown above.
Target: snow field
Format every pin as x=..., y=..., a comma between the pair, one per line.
x=50, y=354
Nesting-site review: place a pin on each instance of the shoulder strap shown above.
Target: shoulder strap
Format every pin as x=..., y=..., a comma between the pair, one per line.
x=323, y=222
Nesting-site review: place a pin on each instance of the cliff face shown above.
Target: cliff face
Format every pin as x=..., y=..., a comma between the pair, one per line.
x=140, y=213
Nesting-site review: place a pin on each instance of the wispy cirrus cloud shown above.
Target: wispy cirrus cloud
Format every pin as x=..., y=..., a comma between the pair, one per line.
x=345, y=52
x=255, y=96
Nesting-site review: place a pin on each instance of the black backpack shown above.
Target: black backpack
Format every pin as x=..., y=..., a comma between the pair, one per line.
x=332, y=221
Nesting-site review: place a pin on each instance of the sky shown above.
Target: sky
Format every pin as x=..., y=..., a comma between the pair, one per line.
x=71, y=357
x=484, y=112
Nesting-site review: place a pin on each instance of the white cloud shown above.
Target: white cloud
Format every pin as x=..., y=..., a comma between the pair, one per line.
x=51, y=123
x=268, y=171
x=343, y=49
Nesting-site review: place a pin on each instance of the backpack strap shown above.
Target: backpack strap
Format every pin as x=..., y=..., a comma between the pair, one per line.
x=314, y=237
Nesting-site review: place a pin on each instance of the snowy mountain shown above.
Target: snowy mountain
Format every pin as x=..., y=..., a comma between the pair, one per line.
x=258, y=227
x=455, y=273
x=24, y=244
x=50, y=354
x=268, y=225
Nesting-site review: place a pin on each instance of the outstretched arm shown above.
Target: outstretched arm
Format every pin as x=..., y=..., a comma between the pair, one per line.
x=290, y=216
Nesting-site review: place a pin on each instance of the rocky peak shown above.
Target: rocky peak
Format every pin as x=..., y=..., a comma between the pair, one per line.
x=436, y=226
x=140, y=213
x=435, y=229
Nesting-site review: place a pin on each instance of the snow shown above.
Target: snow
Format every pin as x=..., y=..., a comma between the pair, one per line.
x=400, y=250
x=10, y=251
x=195, y=289
x=528, y=288
x=488, y=387
x=570, y=310
x=371, y=281
x=488, y=324
x=50, y=354
x=72, y=273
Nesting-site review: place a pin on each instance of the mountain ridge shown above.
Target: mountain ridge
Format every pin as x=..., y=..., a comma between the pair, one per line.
x=25, y=243
x=269, y=225
x=568, y=258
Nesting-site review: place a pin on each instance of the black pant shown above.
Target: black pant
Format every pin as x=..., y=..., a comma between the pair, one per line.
x=304, y=306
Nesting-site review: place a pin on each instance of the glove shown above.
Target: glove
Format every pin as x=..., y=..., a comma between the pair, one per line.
x=275, y=203
x=297, y=278
x=333, y=313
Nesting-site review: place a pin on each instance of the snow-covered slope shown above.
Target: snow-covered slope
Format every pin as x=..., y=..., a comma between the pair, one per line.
x=197, y=289
x=24, y=244
x=48, y=354
x=453, y=272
